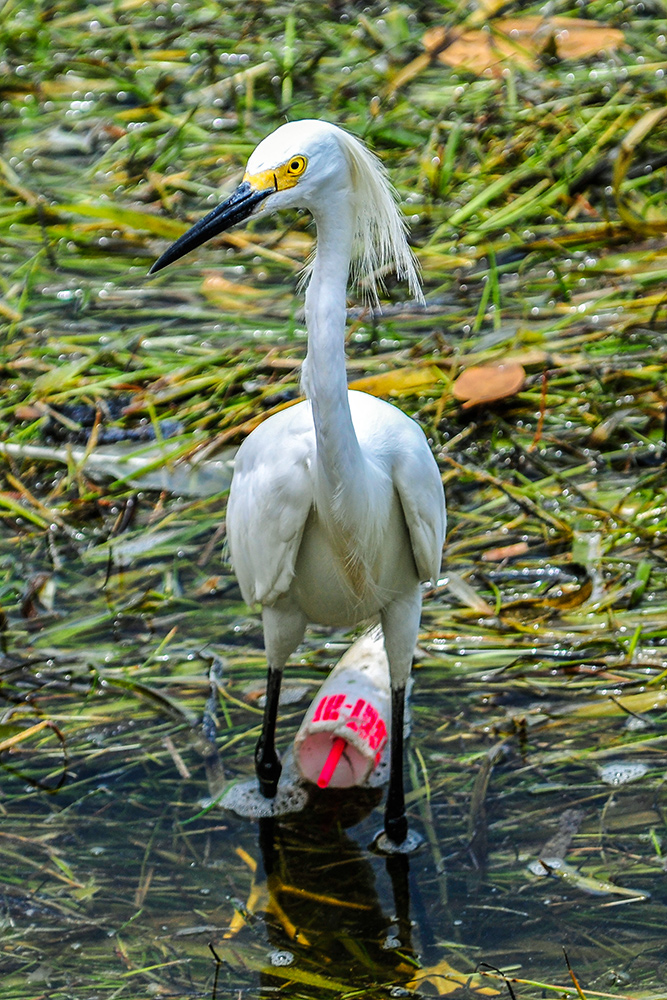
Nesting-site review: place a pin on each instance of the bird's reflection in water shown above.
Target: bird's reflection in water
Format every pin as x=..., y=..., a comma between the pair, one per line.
x=338, y=917
x=321, y=902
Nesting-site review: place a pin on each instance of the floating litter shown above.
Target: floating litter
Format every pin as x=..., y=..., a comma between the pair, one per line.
x=344, y=736
x=331, y=762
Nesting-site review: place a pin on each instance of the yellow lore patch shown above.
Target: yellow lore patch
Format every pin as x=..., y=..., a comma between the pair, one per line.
x=283, y=177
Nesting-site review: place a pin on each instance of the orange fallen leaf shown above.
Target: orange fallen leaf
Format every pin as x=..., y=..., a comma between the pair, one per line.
x=521, y=40
x=478, y=50
x=487, y=383
x=578, y=38
x=209, y=586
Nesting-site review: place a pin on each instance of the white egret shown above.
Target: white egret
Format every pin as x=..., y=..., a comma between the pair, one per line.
x=336, y=511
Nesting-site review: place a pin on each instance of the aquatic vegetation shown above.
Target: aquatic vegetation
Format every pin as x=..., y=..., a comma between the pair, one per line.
x=131, y=670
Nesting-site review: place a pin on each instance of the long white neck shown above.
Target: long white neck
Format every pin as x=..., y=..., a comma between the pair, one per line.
x=340, y=463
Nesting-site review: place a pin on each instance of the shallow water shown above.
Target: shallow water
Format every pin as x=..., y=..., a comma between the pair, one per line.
x=130, y=685
x=116, y=883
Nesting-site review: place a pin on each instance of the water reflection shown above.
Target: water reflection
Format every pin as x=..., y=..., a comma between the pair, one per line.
x=318, y=895
x=333, y=915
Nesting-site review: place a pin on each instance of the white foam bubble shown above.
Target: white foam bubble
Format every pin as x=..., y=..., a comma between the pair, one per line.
x=383, y=845
x=281, y=957
x=245, y=798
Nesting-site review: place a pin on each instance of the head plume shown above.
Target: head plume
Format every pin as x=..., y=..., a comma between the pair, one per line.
x=380, y=237
x=379, y=242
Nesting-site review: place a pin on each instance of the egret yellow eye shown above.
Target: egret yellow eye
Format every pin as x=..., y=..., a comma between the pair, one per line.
x=296, y=166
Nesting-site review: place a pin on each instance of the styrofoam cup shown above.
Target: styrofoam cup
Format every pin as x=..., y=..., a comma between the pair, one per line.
x=348, y=724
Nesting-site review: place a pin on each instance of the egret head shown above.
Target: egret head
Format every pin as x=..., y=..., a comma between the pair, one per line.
x=300, y=165
x=306, y=164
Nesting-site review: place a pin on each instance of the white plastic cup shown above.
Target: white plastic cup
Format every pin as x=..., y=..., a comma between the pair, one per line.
x=347, y=726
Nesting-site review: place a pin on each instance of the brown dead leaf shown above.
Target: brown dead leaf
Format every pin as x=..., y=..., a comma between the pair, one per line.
x=521, y=40
x=487, y=383
x=577, y=38
x=28, y=412
x=479, y=51
x=505, y=552
x=209, y=586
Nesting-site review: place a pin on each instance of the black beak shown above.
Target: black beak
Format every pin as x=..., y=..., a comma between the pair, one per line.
x=237, y=208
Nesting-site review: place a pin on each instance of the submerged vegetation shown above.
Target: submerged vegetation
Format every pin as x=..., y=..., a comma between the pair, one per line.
x=531, y=163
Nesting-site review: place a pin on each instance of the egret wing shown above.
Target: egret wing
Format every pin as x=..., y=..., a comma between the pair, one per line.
x=269, y=502
x=399, y=446
x=419, y=486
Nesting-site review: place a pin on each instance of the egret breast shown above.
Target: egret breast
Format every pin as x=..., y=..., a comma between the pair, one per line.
x=331, y=591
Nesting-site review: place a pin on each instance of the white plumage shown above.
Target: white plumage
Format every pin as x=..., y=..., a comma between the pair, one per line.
x=336, y=511
x=275, y=515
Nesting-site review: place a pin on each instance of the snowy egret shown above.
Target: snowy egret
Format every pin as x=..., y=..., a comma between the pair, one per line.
x=336, y=511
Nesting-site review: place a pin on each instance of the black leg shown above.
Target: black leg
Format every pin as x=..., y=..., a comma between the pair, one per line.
x=267, y=843
x=267, y=764
x=395, y=820
x=398, y=869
